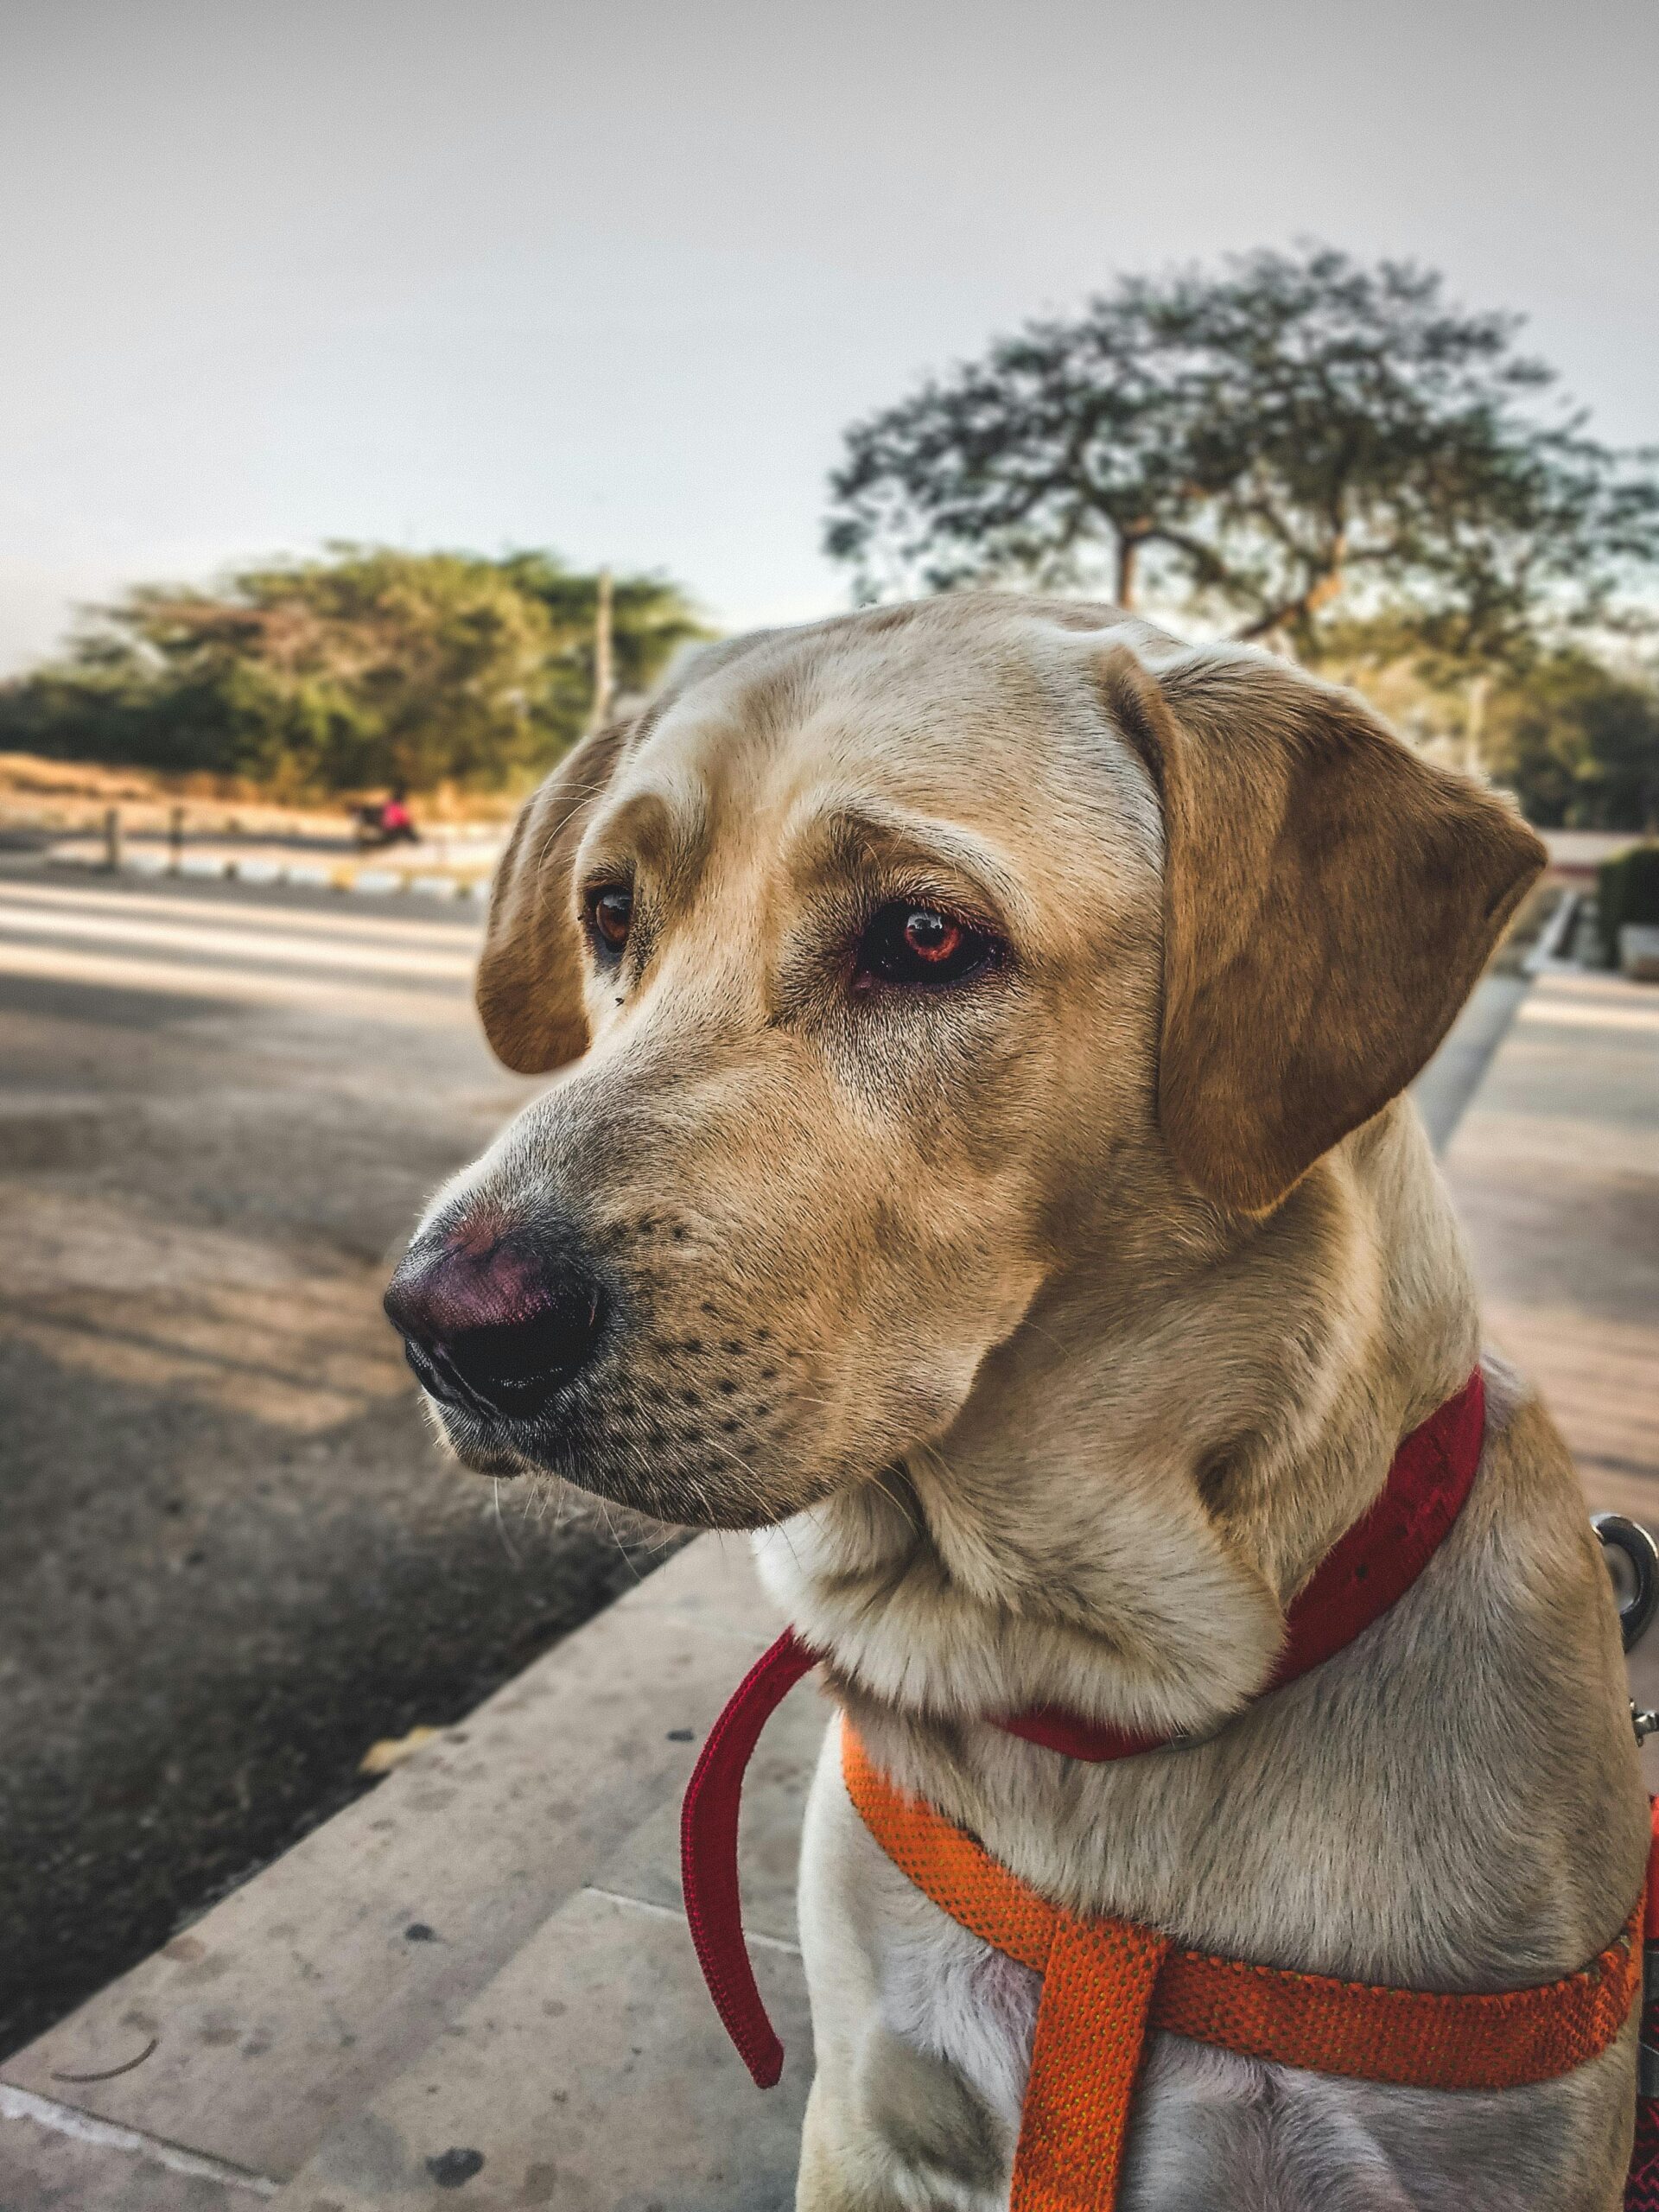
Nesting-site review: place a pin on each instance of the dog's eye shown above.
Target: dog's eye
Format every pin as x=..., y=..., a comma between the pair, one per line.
x=610, y=911
x=919, y=945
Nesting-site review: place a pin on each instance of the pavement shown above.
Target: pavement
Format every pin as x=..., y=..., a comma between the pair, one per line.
x=233, y=1560
x=477, y=1980
x=478, y=1977
x=1554, y=1167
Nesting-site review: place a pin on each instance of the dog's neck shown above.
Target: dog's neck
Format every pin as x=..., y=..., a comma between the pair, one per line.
x=1153, y=1462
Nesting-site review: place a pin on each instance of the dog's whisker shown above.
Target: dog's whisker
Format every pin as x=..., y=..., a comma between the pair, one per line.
x=500, y=1525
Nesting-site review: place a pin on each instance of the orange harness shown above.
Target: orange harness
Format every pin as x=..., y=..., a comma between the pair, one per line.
x=1107, y=1984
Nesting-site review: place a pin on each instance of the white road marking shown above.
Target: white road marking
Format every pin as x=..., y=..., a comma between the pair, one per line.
x=248, y=914
x=277, y=944
x=381, y=967
x=1592, y=1013
x=238, y=986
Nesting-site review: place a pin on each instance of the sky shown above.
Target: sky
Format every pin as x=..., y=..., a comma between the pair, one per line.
x=613, y=279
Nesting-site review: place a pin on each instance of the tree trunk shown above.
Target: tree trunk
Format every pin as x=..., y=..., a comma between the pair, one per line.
x=1290, y=612
x=604, y=680
x=1127, y=549
x=1474, y=724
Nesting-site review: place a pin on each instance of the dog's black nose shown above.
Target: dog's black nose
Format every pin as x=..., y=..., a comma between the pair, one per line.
x=495, y=1322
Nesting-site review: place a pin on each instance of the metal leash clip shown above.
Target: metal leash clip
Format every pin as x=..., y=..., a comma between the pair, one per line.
x=1633, y=1559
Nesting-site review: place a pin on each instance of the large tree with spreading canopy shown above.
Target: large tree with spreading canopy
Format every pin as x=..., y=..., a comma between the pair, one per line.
x=1294, y=439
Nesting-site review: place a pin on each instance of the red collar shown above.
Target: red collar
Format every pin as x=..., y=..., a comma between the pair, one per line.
x=1362, y=1574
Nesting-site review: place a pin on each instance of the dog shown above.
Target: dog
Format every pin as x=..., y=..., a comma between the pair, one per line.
x=980, y=1163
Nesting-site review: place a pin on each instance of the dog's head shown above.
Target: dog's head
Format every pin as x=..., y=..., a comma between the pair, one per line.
x=892, y=965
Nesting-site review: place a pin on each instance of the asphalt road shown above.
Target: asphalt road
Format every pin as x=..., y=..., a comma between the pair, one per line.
x=231, y=1558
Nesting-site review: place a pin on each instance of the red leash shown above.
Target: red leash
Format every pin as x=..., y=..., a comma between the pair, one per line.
x=708, y=1853
x=1359, y=1579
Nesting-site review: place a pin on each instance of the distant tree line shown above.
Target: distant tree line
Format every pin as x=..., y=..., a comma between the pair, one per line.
x=1578, y=745
x=1299, y=450
x=362, y=668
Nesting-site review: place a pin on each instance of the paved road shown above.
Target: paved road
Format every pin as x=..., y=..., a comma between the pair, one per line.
x=1554, y=1169
x=230, y=1557
x=1555, y=1172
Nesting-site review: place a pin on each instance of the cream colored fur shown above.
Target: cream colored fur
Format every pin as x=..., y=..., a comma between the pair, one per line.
x=1054, y=1362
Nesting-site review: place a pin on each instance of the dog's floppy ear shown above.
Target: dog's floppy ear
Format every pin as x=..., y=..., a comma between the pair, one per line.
x=1330, y=900
x=529, y=986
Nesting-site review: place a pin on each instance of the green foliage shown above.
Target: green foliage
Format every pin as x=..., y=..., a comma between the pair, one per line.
x=1297, y=433
x=1627, y=890
x=1578, y=745
x=364, y=668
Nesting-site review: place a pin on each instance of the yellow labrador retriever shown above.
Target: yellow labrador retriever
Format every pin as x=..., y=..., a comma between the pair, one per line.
x=981, y=1163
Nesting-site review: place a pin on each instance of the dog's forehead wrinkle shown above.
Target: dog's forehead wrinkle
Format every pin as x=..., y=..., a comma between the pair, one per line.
x=852, y=827
x=662, y=811
x=960, y=686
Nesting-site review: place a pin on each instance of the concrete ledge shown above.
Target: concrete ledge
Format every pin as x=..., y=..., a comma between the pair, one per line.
x=53, y=2159
x=285, y=2011
x=592, y=2075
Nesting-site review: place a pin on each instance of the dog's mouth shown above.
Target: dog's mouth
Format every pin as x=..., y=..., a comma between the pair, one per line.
x=539, y=1354
x=639, y=1442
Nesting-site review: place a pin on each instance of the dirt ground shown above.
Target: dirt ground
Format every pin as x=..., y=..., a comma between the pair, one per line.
x=231, y=1558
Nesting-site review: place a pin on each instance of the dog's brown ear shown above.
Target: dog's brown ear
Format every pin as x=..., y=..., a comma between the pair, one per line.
x=529, y=986
x=1330, y=900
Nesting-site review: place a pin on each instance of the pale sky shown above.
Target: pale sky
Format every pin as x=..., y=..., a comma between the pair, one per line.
x=612, y=279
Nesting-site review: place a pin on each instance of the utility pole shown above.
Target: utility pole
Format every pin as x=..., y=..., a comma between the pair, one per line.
x=604, y=680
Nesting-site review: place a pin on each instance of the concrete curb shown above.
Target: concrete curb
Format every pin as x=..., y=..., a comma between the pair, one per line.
x=310, y=875
x=1548, y=952
x=485, y=1956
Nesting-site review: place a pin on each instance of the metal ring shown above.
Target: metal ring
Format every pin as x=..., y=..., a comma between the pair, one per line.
x=1641, y=1555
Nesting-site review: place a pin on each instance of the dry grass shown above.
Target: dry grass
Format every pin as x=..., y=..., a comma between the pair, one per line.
x=73, y=794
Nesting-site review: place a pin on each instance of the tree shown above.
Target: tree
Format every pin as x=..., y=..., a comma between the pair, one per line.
x=1296, y=433
x=1580, y=745
x=1057, y=446
x=363, y=668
